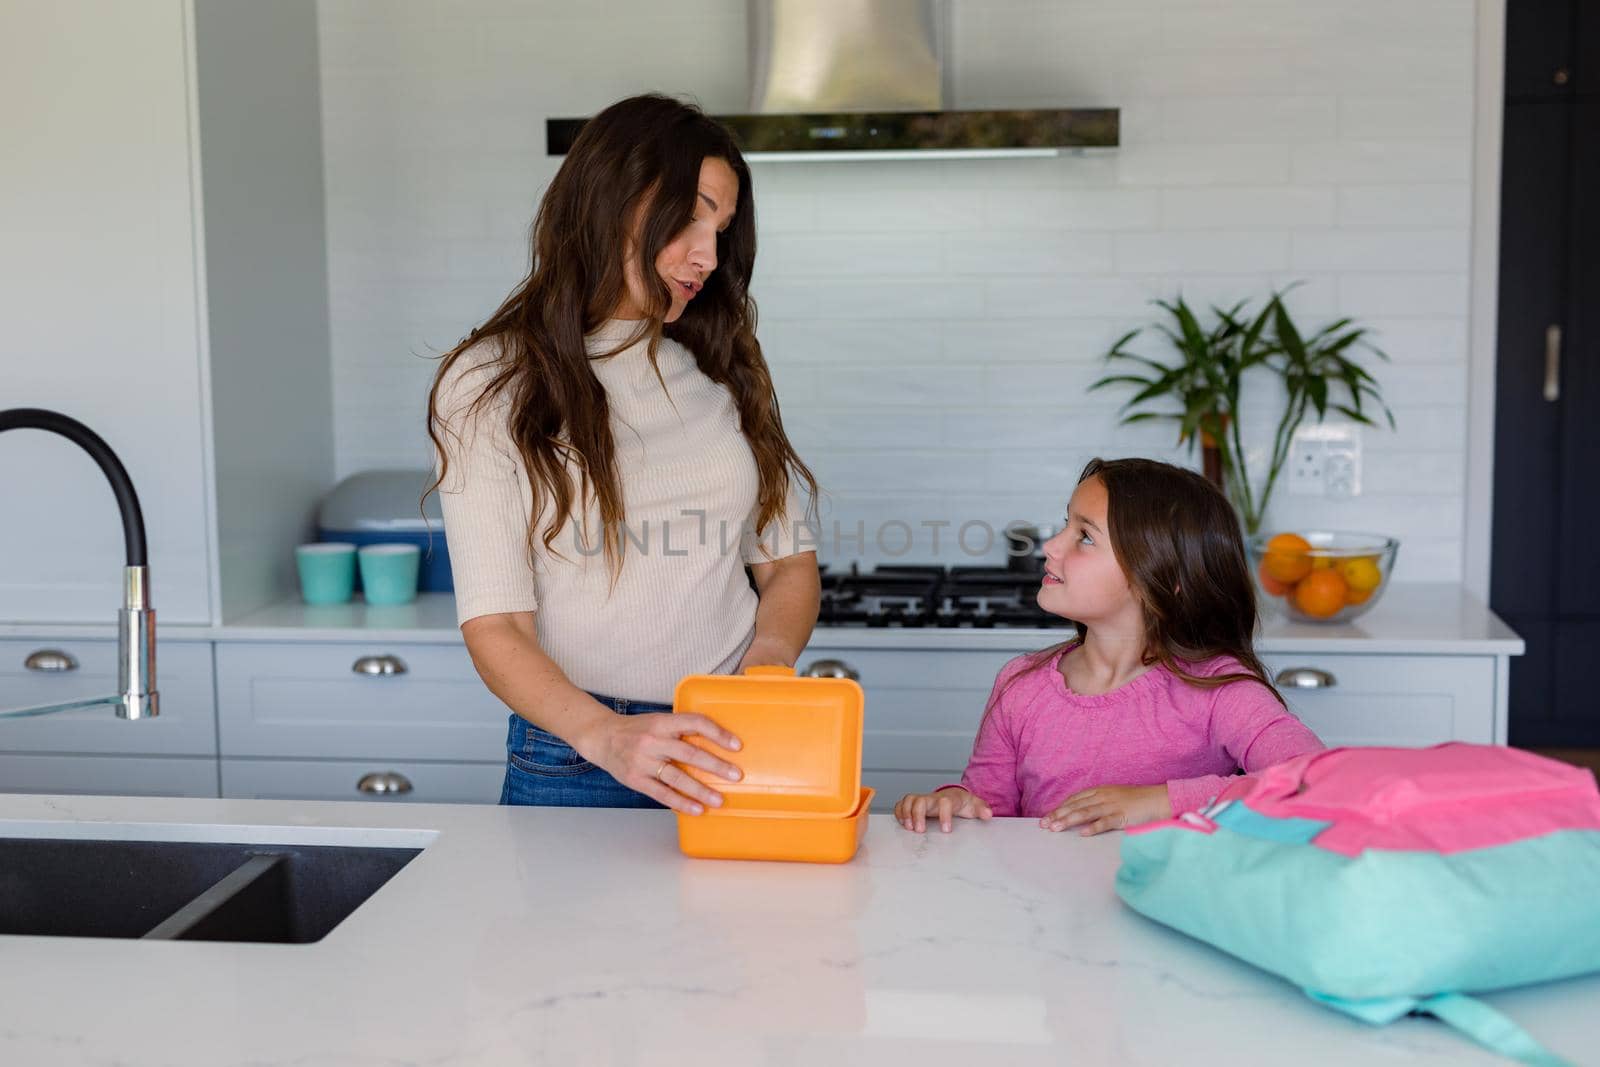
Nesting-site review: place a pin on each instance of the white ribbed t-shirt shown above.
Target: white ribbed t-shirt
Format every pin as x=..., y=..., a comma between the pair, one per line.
x=682, y=604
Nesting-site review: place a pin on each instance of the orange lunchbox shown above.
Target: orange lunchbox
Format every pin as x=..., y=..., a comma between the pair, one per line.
x=801, y=797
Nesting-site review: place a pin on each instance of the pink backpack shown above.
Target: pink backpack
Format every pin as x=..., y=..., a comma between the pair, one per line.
x=1385, y=881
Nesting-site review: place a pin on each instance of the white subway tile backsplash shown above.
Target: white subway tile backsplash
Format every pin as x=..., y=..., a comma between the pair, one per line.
x=881, y=469
x=827, y=341
x=833, y=255
x=932, y=326
x=1389, y=249
x=1225, y=71
x=1028, y=252
x=1280, y=119
x=1423, y=115
x=818, y=428
x=1067, y=297
x=1181, y=165
x=1406, y=205
x=1360, y=61
x=1433, y=385
x=1071, y=208
x=874, y=388
x=779, y=212
x=874, y=298
x=1415, y=474
x=1012, y=389
x=1371, y=161
x=1378, y=294
x=1419, y=429
x=1420, y=340
x=1222, y=251
x=914, y=209
x=1242, y=206
x=1019, y=339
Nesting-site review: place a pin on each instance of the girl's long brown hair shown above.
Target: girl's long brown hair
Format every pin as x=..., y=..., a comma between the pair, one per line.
x=630, y=183
x=1177, y=539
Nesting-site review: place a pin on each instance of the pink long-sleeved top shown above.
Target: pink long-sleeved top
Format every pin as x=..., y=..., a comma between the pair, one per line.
x=1040, y=742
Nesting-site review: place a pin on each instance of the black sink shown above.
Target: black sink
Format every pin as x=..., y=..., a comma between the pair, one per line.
x=186, y=890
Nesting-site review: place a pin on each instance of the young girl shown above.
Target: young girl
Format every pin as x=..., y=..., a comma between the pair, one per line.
x=1159, y=697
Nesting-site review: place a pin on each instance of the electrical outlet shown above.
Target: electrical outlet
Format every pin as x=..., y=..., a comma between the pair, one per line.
x=1325, y=460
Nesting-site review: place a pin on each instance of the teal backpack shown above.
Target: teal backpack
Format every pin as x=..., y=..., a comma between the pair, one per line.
x=1388, y=881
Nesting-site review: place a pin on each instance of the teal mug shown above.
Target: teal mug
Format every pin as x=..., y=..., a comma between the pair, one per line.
x=327, y=572
x=389, y=573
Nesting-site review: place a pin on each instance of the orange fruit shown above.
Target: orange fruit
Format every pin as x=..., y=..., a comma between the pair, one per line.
x=1286, y=558
x=1353, y=596
x=1361, y=574
x=1320, y=594
x=1321, y=563
x=1271, y=584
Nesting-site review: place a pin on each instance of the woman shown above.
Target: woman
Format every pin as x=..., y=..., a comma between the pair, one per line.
x=611, y=457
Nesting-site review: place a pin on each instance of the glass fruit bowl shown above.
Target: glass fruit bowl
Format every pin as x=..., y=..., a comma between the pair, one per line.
x=1323, y=575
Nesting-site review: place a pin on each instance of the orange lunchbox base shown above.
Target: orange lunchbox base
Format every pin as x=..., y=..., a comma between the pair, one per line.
x=785, y=838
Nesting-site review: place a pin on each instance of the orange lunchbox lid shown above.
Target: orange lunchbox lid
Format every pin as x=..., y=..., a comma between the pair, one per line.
x=801, y=738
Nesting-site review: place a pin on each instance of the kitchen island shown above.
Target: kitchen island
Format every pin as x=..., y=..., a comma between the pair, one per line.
x=571, y=937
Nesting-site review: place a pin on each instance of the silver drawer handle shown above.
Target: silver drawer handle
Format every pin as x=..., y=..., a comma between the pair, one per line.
x=50, y=660
x=831, y=668
x=1305, y=678
x=384, y=783
x=379, y=665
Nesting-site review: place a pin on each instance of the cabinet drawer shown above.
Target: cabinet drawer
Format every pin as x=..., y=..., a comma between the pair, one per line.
x=1393, y=700
x=296, y=700
x=923, y=708
x=186, y=725
x=126, y=776
x=431, y=783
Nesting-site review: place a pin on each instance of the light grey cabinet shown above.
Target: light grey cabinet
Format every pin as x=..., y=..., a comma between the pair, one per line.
x=922, y=712
x=357, y=702
x=376, y=781
x=49, y=670
x=401, y=722
x=924, y=705
x=1391, y=699
x=90, y=750
x=138, y=776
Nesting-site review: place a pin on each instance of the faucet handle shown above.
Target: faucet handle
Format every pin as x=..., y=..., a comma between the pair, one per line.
x=50, y=661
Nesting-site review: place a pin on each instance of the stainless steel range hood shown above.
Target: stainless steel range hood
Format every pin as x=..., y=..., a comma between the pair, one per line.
x=867, y=79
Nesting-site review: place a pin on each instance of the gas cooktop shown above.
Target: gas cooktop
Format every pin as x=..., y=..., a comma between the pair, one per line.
x=933, y=596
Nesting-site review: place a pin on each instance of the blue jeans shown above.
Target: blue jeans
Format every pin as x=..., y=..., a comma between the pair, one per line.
x=542, y=769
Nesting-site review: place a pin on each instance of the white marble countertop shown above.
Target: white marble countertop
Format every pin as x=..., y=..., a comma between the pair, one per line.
x=568, y=937
x=1416, y=618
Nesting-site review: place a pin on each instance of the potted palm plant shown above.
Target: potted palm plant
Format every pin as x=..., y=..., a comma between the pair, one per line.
x=1200, y=389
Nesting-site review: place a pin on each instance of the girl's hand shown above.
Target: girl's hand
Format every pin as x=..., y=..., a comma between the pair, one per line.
x=946, y=805
x=1110, y=807
x=644, y=753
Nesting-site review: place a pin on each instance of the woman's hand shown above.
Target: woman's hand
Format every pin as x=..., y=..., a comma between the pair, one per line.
x=1110, y=807
x=644, y=753
x=946, y=805
x=765, y=652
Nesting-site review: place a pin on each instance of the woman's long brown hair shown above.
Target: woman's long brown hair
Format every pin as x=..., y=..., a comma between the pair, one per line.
x=627, y=187
x=1177, y=539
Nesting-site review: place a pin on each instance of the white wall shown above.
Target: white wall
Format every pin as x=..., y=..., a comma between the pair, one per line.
x=98, y=306
x=259, y=130
x=932, y=324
